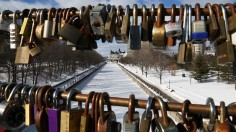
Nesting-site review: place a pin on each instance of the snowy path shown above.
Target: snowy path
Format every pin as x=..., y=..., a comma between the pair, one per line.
x=112, y=79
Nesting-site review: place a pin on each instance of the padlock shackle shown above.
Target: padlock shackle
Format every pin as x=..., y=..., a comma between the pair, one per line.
x=32, y=90
x=131, y=108
x=31, y=12
x=118, y=15
x=93, y=105
x=40, y=96
x=81, y=11
x=14, y=16
x=23, y=92
x=231, y=7
x=216, y=8
x=173, y=13
x=233, y=104
x=32, y=31
x=127, y=10
x=148, y=106
x=48, y=94
x=55, y=100
x=222, y=112
x=8, y=88
x=160, y=15
x=69, y=96
x=2, y=89
x=113, y=8
x=87, y=10
x=212, y=115
x=185, y=32
x=185, y=110
x=13, y=92
x=225, y=21
x=5, y=12
x=64, y=13
x=50, y=13
x=73, y=10
x=181, y=12
x=189, y=23
x=197, y=12
x=104, y=97
x=209, y=7
x=165, y=119
x=108, y=7
x=144, y=14
x=88, y=100
x=42, y=16
x=135, y=14
x=153, y=12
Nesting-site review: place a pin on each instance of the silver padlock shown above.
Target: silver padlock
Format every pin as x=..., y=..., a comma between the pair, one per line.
x=4, y=24
x=135, y=36
x=164, y=123
x=14, y=32
x=131, y=117
x=12, y=112
x=97, y=19
x=48, y=24
x=212, y=115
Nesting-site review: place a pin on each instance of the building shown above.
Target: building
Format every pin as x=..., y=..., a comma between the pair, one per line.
x=115, y=55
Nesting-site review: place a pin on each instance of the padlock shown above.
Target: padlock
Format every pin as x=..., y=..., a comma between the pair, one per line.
x=70, y=32
x=22, y=53
x=118, y=25
x=224, y=51
x=125, y=28
x=164, y=123
x=147, y=116
x=33, y=48
x=4, y=24
x=70, y=118
x=41, y=119
x=144, y=24
x=48, y=31
x=131, y=117
x=109, y=26
x=173, y=29
x=14, y=32
x=151, y=20
x=183, y=45
x=212, y=23
x=221, y=35
x=86, y=117
x=199, y=33
x=158, y=33
x=55, y=24
x=233, y=120
x=29, y=107
x=212, y=115
x=54, y=113
x=107, y=119
x=98, y=16
x=12, y=114
x=39, y=28
x=231, y=25
x=135, y=38
x=27, y=24
x=223, y=124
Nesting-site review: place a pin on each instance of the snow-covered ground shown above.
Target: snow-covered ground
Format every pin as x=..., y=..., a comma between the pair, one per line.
x=112, y=79
x=186, y=88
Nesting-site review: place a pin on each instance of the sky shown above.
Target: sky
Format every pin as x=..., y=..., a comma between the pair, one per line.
x=102, y=47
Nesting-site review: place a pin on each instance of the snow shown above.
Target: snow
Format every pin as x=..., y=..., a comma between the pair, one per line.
x=196, y=92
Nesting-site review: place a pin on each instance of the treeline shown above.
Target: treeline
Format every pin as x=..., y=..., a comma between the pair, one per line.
x=51, y=63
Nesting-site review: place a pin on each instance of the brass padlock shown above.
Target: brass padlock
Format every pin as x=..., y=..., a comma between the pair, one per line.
x=27, y=23
x=158, y=33
x=70, y=118
x=212, y=23
x=125, y=26
x=109, y=26
x=22, y=53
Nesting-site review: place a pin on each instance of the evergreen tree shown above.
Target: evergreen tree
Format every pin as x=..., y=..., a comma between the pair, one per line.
x=200, y=68
x=227, y=73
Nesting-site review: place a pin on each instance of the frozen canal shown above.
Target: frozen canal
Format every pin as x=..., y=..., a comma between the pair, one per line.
x=113, y=80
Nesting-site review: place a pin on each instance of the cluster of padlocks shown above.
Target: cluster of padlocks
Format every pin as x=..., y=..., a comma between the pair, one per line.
x=80, y=28
x=50, y=110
